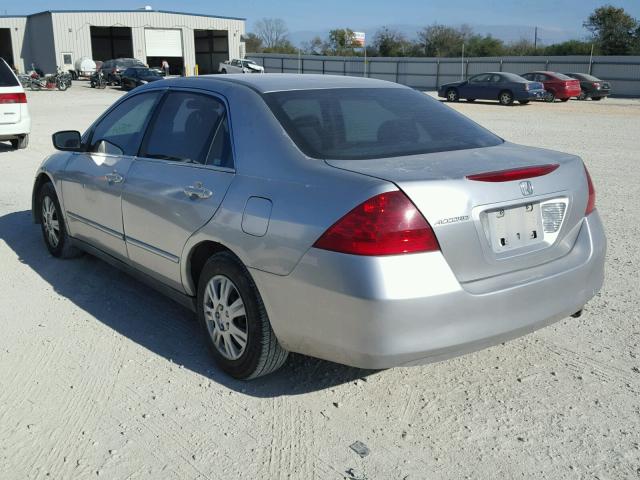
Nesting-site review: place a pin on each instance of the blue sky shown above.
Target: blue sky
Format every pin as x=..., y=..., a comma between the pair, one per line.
x=558, y=19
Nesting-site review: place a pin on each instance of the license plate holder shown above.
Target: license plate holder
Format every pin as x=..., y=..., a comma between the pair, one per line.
x=515, y=227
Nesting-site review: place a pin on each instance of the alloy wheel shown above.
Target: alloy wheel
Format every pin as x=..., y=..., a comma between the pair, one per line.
x=51, y=221
x=225, y=317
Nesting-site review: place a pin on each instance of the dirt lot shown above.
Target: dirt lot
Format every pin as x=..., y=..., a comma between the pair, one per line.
x=100, y=375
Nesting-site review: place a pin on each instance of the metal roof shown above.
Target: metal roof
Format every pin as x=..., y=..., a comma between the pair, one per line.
x=125, y=11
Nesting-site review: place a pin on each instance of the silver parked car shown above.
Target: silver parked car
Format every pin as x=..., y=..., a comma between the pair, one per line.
x=349, y=219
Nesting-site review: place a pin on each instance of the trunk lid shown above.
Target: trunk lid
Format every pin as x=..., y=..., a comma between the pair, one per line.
x=471, y=218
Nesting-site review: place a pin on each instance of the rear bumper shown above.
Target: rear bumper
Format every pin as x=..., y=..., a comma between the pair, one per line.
x=10, y=131
x=531, y=95
x=380, y=312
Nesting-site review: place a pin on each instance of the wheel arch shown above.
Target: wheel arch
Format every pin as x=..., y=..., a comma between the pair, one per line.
x=195, y=259
x=41, y=179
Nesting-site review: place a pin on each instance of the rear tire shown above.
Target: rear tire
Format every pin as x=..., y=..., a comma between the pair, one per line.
x=523, y=102
x=234, y=320
x=54, y=230
x=452, y=95
x=223, y=71
x=20, y=143
x=596, y=98
x=564, y=99
x=505, y=97
x=583, y=96
x=471, y=100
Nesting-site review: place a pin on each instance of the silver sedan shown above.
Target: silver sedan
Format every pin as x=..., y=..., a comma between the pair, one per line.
x=350, y=219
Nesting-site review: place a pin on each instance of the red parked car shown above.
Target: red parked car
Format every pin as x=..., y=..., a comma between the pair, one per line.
x=557, y=85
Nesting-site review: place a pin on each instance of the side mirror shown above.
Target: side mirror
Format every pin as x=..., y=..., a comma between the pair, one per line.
x=67, y=140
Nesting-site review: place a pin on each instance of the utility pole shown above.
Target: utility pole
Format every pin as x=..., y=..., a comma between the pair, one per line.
x=462, y=64
x=535, y=39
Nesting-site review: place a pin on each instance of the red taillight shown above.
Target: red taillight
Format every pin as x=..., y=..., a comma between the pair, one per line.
x=514, y=173
x=387, y=224
x=13, y=98
x=596, y=84
x=591, y=203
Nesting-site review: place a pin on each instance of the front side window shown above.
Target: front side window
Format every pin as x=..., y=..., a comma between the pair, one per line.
x=480, y=78
x=124, y=126
x=361, y=123
x=184, y=128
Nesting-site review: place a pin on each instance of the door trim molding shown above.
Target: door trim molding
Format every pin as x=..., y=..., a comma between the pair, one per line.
x=95, y=225
x=152, y=249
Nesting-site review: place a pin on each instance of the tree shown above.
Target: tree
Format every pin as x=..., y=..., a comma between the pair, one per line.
x=483, y=46
x=253, y=43
x=273, y=32
x=441, y=41
x=315, y=46
x=521, y=47
x=570, y=47
x=613, y=29
x=341, y=41
x=390, y=43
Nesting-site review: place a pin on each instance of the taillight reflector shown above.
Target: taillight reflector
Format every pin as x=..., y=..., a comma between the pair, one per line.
x=513, y=174
x=591, y=203
x=387, y=224
x=13, y=98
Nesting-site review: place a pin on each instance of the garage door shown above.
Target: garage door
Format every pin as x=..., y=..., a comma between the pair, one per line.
x=163, y=43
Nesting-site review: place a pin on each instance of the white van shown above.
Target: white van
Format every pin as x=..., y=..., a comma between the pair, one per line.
x=15, y=121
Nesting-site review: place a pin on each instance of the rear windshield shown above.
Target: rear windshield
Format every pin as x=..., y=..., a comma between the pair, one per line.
x=585, y=76
x=362, y=123
x=562, y=76
x=7, y=78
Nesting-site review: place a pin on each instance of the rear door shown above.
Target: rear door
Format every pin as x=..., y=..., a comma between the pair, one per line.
x=93, y=180
x=177, y=183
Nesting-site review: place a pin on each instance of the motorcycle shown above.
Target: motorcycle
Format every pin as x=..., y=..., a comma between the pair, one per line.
x=97, y=80
x=37, y=81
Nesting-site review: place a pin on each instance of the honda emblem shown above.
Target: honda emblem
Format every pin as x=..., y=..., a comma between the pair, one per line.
x=526, y=188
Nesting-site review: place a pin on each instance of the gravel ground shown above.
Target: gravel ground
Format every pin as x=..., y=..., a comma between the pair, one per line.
x=100, y=375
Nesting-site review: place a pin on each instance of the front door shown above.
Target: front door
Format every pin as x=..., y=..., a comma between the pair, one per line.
x=476, y=86
x=178, y=182
x=93, y=180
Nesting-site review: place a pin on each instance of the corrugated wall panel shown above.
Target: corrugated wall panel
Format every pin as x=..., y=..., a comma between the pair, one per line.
x=72, y=31
x=17, y=26
x=428, y=73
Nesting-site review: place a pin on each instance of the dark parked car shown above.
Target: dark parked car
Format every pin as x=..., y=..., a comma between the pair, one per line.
x=592, y=87
x=135, y=76
x=501, y=86
x=556, y=84
x=113, y=69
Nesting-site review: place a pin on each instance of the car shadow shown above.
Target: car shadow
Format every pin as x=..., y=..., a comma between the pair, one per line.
x=153, y=321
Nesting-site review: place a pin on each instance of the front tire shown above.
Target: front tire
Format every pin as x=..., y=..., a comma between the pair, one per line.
x=54, y=230
x=452, y=95
x=234, y=320
x=505, y=98
x=550, y=97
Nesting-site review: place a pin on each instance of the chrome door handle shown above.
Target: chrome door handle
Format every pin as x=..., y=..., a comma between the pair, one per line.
x=114, y=177
x=197, y=191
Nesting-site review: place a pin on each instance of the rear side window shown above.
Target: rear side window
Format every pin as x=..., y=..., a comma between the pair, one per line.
x=7, y=78
x=361, y=123
x=184, y=127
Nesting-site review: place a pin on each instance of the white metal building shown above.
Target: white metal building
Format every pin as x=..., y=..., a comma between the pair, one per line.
x=59, y=37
